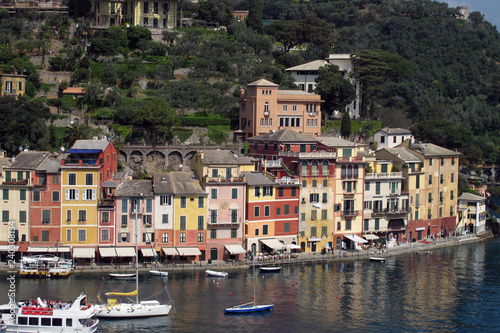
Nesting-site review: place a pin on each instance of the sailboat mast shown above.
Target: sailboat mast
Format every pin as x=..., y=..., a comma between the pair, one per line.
x=136, y=254
x=254, y=278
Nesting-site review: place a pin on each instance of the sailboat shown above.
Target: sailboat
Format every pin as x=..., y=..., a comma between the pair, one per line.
x=250, y=307
x=132, y=309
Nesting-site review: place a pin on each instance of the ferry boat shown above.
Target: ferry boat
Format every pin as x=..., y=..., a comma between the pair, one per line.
x=45, y=266
x=77, y=316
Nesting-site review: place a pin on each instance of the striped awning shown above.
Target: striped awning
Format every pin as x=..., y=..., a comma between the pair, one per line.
x=84, y=252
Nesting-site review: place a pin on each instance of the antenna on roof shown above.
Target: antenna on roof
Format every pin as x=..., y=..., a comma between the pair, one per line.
x=21, y=148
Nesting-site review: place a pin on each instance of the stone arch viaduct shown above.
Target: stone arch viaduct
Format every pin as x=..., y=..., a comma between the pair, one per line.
x=155, y=159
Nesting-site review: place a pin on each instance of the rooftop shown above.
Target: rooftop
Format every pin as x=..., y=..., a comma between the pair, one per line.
x=263, y=82
x=332, y=141
x=285, y=135
x=27, y=160
x=163, y=183
x=396, y=131
x=219, y=157
x=130, y=188
x=309, y=66
x=186, y=183
x=471, y=197
x=432, y=150
x=52, y=164
x=402, y=153
x=90, y=145
x=256, y=178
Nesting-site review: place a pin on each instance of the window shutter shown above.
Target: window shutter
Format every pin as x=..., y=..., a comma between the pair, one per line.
x=271, y=190
x=93, y=194
x=77, y=194
x=84, y=194
x=67, y=194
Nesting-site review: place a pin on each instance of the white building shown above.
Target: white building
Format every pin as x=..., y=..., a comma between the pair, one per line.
x=391, y=137
x=471, y=214
x=305, y=76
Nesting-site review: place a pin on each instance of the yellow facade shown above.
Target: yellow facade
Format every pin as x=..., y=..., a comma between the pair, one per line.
x=13, y=84
x=79, y=188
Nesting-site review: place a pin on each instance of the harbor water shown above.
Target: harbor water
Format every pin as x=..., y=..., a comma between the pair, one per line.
x=454, y=289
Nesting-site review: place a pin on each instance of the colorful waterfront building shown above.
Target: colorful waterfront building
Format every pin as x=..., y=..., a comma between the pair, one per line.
x=17, y=189
x=221, y=176
x=190, y=214
x=265, y=108
x=45, y=209
x=134, y=202
x=106, y=210
x=87, y=165
x=471, y=214
x=164, y=213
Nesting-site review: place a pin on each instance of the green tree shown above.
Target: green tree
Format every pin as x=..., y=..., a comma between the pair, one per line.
x=254, y=18
x=75, y=132
x=288, y=33
x=335, y=90
x=57, y=63
x=372, y=68
x=156, y=119
x=345, y=126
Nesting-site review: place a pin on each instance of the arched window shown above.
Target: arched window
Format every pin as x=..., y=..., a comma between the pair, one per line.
x=349, y=171
x=343, y=173
x=314, y=168
x=254, y=248
x=339, y=242
x=324, y=168
x=355, y=171
x=266, y=107
x=304, y=168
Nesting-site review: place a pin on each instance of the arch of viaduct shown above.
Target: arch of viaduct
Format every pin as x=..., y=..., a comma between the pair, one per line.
x=149, y=159
x=491, y=173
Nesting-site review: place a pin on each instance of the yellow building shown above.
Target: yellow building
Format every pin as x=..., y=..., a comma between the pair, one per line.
x=149, y=14
x=13, y=84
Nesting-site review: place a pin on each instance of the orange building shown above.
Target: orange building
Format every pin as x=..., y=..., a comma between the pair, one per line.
x=264, y=108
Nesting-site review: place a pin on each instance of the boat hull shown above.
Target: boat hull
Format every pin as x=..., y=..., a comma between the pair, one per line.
x=270, y=269
x=216, y=273
x=249, y=309
x=158, y=273
x=377, y=259
x=122, y=276
x=132, y=310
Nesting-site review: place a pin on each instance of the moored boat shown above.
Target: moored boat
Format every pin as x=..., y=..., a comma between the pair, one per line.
x=377, y=258
x=45, y=266
x=273, y=269
x=43, y=316
x=158, y=273
x=122, y=276
x=216, y=273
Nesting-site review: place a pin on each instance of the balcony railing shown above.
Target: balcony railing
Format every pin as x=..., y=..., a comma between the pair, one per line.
x=346, y=213
x=220, y=179
x=384, y=175
x=287, y=181
x=310, y=155
x=386, y=211
x=16, y=182
x=10, y=91
x=345, y=159
x=76, y=162
x=272, y=163
x=221, y=221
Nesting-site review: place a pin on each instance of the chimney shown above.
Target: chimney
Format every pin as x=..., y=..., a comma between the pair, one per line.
x=201, y=154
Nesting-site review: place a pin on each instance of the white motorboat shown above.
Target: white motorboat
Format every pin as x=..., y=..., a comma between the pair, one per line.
x=158, y=273
x=270, y=269
x=131, y=307
x=45, y=266
x=122, y=276
x=377, y=258
x=77, y=316
x=216, y=273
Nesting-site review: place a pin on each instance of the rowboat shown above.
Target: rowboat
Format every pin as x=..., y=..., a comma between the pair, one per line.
x=158, y=273
x=424, y=252
x=377, y=259
x=216, y=273
x=276, y=269
x=125, y=276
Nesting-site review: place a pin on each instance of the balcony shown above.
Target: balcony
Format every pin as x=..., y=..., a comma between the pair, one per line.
x=266, y=112
x=219, y=179
x=310, y=155
x=350, y=213
x=84, y=162
x=384, y=175
x=272, y=163
x=350, y=159
x=107, y=203
x=287, y=181
x=386, y=211
x=222, y=222
x=16, y=182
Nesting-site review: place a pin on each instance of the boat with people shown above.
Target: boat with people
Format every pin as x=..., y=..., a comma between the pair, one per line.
x=216, y=273
x=49, y=316
x=115, y=308
x=45, y=266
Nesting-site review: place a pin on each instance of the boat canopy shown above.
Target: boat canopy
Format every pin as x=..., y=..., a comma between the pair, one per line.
x=114, y=293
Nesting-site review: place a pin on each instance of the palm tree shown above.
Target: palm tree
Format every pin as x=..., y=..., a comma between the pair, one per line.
x=75, y=132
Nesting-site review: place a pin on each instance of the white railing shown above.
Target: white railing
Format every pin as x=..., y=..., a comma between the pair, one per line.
x=287, y=181
x=384, y=175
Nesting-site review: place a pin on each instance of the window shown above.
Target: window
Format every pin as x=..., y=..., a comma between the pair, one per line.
x=5, y=194
x=285, y=108
x=89, y=179
x=452, y=177
x=234, y=193
x=124, y=205
x=294, y=108
x=429, y=215
x=105, y=217
x=384, y=168
x=155, y=7
x=200, y=237
x=348, y=224
x=45, y=216
x=280, y=191
x=314, y=183
x=104, y=235
x=145, y=21
x=314, y=197
x=164, y=218
x=164, y=238
x=201, y=222
x=430, y=197
x=268, y=191
x=366, y=225
x=22, y=216
x=234, y=215
x=294, y=191
x=302, y=217
x=5, y=216
x=88, y=194
x=265, y=229
x=124, y=237
x=313, y=231
x=146, y=7
x=213, y=216
x=430, y=162
x=82, y=215
x=82, y=235
x=295, y=209
x=165, y=200
x=430, y=179
x=55, y=196
x=55, y=179
x=287, y=227
x=256, y=211
x=36, y=196
x=214, y=193
x=257, y=192
x=71, y=194
x=304, y=182
x=287, y=209
x=314, y=215
x=324, y=168
x=147, y=221
x=72, y=179
x=324, y=214
x=22, y=194
x=147, y=237
x=325, y=183
x=324, y=231
x=267, y=210
x=149, y=205
x=377, y=224
x=182, y=223
x=182, y=237
x=183, y=202
x=213, y=233
x=417, y=185
x=215, y=172
x=278, y=211
x=68, y=235
x=234, y=233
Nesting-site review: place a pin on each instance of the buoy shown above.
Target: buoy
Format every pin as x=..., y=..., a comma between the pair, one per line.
x=314, y=290
x=297, y=282
x=252, y=297
x=337, y=297
x=240, y=303
x=395, y=279
x=230, y=294
x=475, y=295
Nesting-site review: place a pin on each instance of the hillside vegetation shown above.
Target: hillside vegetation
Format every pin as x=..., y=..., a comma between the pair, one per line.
x=444, y=82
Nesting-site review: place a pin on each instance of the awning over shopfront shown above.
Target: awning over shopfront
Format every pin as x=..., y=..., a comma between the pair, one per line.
x=273, y=243
x=44, y=249
x=125, y=252
x=148, y=252
x=235, y=248
x=84, y=252
x=188, y=251
x=170, y=251
x=356, y=239
x=107, y=252
x=371, y=237
x=396, y=224
x=6, y=248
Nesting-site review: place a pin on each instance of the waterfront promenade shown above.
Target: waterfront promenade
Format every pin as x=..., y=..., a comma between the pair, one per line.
x=301, y=258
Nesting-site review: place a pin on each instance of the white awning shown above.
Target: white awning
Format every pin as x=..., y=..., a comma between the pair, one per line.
x=314, y=239
x=38, y=249
x=62, y=249
x=235, y=249
x=170, y=251
x=356, y=239
x=293, y=246
x=6, y=248
x=148, y=252
x=273, y=243
x=371, y=237
x=83, y=252
x=107, y=252
x=125, y=251
x=189, y=251
x=44, y=249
